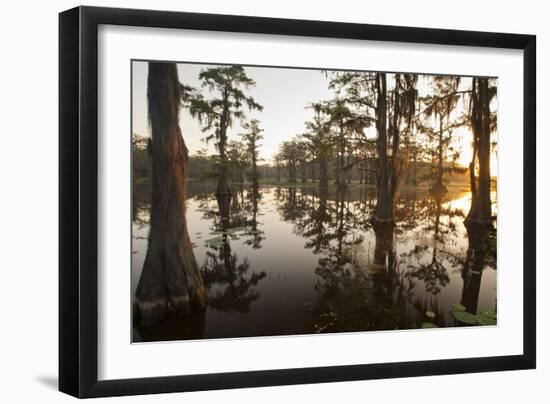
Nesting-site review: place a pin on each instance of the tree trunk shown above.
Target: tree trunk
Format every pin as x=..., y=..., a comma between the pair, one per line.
x=384, y=204
x=395, y=167
x=223, y=187
x=439, y=187
x=254, y=171
x=224, y=208
x=170, y=279
x=323, y=180
x=292, y=172
x=480, y=211
x=340, y=175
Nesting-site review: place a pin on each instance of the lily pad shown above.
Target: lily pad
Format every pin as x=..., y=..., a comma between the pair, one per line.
x=464, y=317
x=429, y=325
x=488, y=313
x=215, y=242
x=237, y=229
x=458, y=307
x=485, y=320
x=217, y=233
x=430, y=314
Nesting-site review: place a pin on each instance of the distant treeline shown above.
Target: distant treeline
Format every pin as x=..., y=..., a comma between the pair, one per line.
x=203, y=167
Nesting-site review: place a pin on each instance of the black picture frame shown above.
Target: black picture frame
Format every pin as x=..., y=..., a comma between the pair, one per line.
x=78, y=200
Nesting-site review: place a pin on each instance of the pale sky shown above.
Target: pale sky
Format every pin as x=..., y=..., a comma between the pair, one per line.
x=284, y=93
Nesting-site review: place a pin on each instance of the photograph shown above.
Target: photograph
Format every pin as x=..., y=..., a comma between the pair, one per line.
x=276, y=201
x=269, y=202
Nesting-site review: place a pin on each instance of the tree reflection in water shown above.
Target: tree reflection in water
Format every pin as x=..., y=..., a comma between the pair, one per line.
x=355, y=292
x=229, y=284
x=428, y=263
x=380, y=289
x=354, y=276
x=256, y=235
x=481, y=253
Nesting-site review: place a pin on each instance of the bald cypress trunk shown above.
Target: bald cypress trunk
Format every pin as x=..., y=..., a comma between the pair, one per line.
x=292, y=171
x=384, y=203
x=170, y=279
x=438, y=186
x=323, y=172
x=340, y=174
x=480, y=210
x=223, y=186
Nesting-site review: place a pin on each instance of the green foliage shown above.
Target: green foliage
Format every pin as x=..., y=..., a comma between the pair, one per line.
x=483, y=317
x=215, y=242
x=437, y=123
x=227, y=101
x=464, y=317
x=340, y=135
x=488, y=313
x=317, y=136
x=289, y=151
x=251, y=137
x=458, y=307
x=202, y=166
x=485, y=320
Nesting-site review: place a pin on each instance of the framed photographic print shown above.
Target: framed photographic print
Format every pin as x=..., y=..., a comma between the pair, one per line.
x=251, y=201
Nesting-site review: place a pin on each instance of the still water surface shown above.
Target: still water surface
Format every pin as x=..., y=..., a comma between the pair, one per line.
x=294, y=260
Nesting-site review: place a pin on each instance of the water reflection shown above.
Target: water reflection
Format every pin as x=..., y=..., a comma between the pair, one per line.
x=295, y=260
x=228, y=281
x=481, y=254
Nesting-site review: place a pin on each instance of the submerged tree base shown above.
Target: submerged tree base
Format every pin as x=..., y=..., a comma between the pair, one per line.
x=383, y=248
x=475, y=224
x=146, y=314
x=169, y=283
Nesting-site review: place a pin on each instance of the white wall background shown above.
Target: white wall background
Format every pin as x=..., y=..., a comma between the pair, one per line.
x=28, y=202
